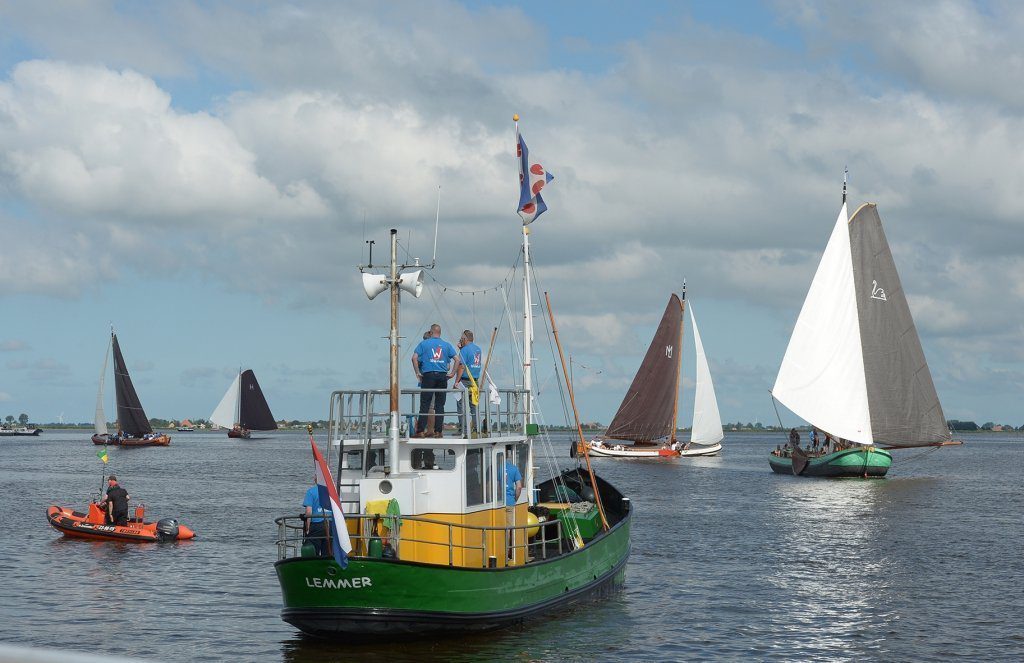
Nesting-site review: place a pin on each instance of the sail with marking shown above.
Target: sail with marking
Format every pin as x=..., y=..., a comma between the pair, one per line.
x=225, y=414
x=253, y=411
x=131, y=418
x=647, y=412
x=904, y=407
x=707, y=422
x=854, y=366
x=100, y=422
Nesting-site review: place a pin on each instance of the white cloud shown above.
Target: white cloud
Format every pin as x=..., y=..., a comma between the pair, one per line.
x=91, y=142
x=699, y=153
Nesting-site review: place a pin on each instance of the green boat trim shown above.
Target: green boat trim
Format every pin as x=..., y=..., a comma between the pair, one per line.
x=399, y=598
x=860, y=462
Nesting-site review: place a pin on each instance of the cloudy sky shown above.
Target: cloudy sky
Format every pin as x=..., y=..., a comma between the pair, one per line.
x=203, y=176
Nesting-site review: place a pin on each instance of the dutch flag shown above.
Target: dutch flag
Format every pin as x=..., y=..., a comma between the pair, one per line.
x=340, y=542
x=532, y=178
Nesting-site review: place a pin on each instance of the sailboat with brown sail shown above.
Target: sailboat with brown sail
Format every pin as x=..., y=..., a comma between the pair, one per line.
x=133, y=427
x=244, y=408
x=649, y=411
x=854, y=368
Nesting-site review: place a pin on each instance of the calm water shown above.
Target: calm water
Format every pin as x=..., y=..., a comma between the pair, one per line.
x=729, y=560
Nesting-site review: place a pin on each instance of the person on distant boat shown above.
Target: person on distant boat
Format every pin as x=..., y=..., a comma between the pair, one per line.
x=794, y=438
x=116, y=502
x=470, y=356
x=432, y=360
x=315, y=527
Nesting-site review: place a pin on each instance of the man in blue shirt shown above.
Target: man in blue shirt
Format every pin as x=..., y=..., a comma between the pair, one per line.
x=432, y=360
x=315, y=527
x=470, y=357
x=513, y=489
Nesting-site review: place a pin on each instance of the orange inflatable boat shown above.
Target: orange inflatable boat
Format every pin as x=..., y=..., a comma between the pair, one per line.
x=94, y=526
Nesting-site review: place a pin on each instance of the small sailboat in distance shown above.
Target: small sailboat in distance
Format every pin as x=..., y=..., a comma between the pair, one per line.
x=854, y=368
x=133, y=427
x=243, y=408
x=649, y=411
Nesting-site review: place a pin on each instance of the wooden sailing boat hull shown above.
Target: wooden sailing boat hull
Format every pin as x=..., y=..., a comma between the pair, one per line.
x=868, y=462
x=158, y=441
x=243, y=434
x=378, y=598
x=629, y=451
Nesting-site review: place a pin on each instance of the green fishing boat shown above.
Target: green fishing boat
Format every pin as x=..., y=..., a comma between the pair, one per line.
x=854, y=368
x=438, y=543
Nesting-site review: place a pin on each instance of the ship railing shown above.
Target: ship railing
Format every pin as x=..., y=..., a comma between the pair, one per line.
x=547, y=542
x=366, y=414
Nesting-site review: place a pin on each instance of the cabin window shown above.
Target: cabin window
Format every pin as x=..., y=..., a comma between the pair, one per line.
x=479, y=478
x=353, y=460
x=523, y=460
x=433, y=459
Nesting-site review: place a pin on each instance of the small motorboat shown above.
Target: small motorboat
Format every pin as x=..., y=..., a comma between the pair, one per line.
x=93, y=525
x=21, y=430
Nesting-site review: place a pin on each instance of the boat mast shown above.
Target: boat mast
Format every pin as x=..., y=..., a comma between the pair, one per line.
x=393, y=341
x=116, y=408
x=238, y=400
x=679, y=362
x=527, y=338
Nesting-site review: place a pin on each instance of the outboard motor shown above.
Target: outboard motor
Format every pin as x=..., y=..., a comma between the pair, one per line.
x=167, y=529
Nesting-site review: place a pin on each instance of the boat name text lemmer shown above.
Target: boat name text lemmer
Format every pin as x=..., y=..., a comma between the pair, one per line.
x=339, y=583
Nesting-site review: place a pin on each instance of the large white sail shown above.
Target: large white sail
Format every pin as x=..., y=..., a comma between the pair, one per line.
x=226, y=411
x=707, y=422
x=822, y=375
x=100, y=422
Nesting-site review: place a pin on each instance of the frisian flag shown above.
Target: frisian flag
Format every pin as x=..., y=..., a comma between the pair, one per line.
x=328, y=494
x=532, y=178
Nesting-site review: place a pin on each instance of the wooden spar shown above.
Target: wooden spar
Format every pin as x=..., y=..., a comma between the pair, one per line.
x=487, y=361
x=950, y=443
x=679, y=371
x=576, y=416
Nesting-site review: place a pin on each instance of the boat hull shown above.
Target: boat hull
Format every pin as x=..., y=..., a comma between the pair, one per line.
x=243, y=434
x=374, y=597
x=77, y=525
x=20, y=432
x=628, y=451
x=870, y=463
x=158, y=441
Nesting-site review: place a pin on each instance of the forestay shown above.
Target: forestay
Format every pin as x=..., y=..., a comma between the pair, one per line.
x=100, y=421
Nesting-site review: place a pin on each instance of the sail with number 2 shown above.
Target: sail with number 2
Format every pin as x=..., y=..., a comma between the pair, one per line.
x=854, y=368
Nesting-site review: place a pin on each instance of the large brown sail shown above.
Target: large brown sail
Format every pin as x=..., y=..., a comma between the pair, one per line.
x=647, y=412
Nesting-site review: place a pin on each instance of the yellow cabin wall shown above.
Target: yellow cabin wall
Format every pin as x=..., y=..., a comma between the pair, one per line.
x=428, y=542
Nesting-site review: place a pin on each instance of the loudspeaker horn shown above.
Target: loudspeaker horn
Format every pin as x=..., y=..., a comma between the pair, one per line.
x=374, y=284
x=412, y=282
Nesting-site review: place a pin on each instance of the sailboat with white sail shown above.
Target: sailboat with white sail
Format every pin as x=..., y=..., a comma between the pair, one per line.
x=133, y=427
x=854, y=368
x=244, y=408
x=649, y=411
